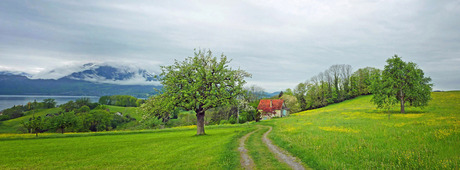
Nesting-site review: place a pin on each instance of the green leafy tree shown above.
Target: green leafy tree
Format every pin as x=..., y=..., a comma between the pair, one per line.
x=202, y=82
x=63, y=121
x=35, y=125
x=384, y=97
x=83, y=109
x=299, y=92
x=69, y=106
x=291, y=103
x=82, y=102
x=49, y=103
x=158, y=106
x=96, y=120
x=401, y=81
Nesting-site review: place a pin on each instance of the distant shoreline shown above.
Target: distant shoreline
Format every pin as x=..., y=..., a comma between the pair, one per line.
x=38, y=95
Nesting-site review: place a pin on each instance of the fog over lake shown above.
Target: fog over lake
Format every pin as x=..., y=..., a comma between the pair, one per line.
x=7, y=101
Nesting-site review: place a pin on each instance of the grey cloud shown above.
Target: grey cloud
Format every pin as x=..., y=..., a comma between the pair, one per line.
x=280, y=43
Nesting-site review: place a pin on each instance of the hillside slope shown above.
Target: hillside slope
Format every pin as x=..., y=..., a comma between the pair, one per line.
x=354, y=135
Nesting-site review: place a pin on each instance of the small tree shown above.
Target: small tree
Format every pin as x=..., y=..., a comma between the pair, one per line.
x=63, y=121
x=202, y=82
x=384, y=97
x=299, y=92
x=36, y=125
x=49, y=103
x=401, y=81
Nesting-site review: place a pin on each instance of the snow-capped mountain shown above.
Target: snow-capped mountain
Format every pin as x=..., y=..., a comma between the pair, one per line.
x=18, y=73
x=101, y=73
x=82, y=80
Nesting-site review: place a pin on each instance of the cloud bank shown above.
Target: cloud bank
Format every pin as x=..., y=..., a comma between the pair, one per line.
x=280, y=43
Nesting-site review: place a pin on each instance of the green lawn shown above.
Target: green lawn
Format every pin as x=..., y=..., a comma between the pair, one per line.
x=176, y=148
x=354, y=135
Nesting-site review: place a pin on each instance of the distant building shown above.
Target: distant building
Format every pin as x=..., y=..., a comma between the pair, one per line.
x=272, y=108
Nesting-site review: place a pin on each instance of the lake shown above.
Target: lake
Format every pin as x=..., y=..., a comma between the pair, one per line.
x=7, y=101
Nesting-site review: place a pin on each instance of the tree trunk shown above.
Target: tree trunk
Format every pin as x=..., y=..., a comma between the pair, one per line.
x=402, y=105
x=200, y=123
x=237, y=115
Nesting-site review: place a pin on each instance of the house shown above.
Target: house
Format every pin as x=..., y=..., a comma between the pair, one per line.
x=272, y=108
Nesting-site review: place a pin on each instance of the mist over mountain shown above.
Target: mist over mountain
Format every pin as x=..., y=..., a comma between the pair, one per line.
x=10, y=73
x=102, y=73
x=87, y=79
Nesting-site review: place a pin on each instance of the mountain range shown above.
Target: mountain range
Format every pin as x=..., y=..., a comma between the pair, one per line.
x=88, y=79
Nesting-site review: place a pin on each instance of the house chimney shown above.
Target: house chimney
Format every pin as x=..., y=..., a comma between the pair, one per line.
x=271, y=103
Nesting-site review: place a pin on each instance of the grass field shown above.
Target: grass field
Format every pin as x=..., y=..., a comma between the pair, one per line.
x=176, y=148
x=347, y=135
x=353, y=135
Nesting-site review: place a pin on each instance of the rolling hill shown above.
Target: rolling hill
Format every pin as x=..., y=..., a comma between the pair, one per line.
x=348, y=135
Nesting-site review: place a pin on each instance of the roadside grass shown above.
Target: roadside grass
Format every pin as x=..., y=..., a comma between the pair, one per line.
x=175, y=148
x=13, y=125
x=354, y=135
x=260, y=154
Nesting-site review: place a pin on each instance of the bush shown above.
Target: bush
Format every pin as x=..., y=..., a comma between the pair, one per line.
x=232, y=119
x=173, y=123
x=118, y=120
x=242, y=120
x=4, y=117
x=101, y=107
x=186, y=118
x=83, y=109
x=222, y=122
x=153, y=123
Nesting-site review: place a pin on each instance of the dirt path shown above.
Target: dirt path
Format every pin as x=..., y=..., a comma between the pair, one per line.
x=281, y=155
x=246, y=161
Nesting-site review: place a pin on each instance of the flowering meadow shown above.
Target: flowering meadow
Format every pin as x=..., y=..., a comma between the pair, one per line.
x=355, y=135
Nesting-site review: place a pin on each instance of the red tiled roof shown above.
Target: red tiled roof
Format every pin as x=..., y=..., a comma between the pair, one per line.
x=276, y=104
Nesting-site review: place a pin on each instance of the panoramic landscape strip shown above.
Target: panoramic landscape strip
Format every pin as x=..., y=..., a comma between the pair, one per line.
x=216, y=85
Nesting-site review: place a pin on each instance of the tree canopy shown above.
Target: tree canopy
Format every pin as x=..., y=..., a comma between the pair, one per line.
x=202, y=82
x=401, y=82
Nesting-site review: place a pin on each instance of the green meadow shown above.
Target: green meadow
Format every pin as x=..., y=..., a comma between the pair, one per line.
x=348, y=135
x=354, y=135
x=176, y=148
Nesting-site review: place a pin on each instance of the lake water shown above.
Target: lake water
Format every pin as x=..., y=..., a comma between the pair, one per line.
x=7, y=101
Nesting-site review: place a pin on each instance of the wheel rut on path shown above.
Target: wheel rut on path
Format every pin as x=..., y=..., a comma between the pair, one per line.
x=282, y=155
x=246, y=161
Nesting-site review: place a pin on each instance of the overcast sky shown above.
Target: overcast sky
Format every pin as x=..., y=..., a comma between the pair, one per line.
x=280, y=43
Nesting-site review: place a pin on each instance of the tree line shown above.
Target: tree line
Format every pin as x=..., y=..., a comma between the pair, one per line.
x=336, y=84
x=399, y=82
x=121, y=100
